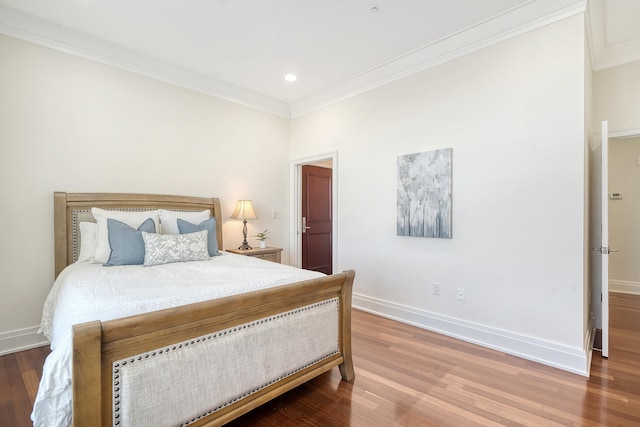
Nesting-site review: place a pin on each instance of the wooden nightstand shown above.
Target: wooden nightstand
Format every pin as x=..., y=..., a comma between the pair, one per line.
x=269, y=253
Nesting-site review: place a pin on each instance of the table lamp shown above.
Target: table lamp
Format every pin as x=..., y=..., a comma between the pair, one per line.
x=244, y=211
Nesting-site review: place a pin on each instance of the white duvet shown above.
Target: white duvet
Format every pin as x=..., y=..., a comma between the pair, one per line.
x=85, y=292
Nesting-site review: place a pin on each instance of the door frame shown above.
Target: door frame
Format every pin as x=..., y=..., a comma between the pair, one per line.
x=295, y=254
x=604, y=236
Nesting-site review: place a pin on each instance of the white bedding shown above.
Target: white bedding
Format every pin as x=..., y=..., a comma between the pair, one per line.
x=85, y=292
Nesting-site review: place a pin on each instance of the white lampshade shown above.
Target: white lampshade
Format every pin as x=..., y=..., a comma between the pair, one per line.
x=244, y=210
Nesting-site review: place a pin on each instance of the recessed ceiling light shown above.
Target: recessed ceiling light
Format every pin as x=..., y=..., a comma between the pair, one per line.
x=291, y=77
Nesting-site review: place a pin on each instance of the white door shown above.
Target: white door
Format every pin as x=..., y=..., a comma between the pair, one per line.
x=604, y=237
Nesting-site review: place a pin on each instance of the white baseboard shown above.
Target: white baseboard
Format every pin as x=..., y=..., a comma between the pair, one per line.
x=624, y=287
x=571, y=359
x=22, y=339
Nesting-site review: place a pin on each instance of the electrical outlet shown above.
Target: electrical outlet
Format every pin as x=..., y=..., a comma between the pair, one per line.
x=460, y=294
x=435, y=287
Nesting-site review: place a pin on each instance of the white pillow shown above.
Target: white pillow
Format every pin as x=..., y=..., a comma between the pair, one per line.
x=166, y=248
x=169, y=219
x=87, y=241
x=132, y=219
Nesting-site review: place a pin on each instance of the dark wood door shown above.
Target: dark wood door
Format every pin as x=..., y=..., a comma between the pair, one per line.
x=317, y=236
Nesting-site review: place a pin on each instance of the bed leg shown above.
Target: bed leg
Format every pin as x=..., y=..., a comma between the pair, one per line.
x=346, y=367
x=346, y=370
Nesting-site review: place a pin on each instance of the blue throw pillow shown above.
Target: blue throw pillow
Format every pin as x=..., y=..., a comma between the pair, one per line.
x=127, y=246
x=185, y=227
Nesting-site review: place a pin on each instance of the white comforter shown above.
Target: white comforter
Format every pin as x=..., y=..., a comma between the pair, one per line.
x=85, y=292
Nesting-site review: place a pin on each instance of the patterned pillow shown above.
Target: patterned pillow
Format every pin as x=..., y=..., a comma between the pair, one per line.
x=166, y=248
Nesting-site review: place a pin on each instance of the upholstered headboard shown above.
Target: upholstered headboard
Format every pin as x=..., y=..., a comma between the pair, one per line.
x=70, y=209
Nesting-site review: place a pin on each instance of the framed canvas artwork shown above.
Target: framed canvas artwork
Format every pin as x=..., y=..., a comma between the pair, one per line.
x=424, y=194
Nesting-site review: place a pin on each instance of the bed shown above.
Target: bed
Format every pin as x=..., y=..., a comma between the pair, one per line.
x=200, y=343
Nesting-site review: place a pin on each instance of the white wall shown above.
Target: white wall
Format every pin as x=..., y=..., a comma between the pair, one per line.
x=624, y=215
x=617, y=97
x=514, y=116
x=69, y=124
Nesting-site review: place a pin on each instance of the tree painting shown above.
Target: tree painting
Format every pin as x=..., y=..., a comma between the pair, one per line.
x=424, y=194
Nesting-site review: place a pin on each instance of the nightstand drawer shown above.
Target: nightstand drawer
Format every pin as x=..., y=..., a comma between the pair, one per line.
x=269, y=257
x=268, y=254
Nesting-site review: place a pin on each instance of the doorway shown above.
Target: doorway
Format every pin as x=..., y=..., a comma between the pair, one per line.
x=624, y=211
x=608, y=187
x=624, y=235
x=314, y=248
x=317, y=217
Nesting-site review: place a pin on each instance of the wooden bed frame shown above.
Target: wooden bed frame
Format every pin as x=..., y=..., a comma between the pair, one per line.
x=97, y=344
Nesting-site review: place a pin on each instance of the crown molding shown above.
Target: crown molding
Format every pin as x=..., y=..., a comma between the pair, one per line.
x=528, y=16
x=614, y=62
x=606, y=54
x=45, y=33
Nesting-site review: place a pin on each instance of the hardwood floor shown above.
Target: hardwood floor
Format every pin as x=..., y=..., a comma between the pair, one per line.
x=406, y=376
x=19, y=377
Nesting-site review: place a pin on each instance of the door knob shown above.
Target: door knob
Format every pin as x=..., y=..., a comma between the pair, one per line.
x=605, y=250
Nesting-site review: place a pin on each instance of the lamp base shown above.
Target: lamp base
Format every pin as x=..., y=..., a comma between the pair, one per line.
x=244, y=245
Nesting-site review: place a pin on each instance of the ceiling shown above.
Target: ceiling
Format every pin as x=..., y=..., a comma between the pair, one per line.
x=240, y=50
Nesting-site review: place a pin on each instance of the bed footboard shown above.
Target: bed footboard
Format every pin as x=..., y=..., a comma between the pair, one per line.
x=222, y=357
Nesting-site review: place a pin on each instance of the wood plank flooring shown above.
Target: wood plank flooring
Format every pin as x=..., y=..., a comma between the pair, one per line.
x=406, y=376
x=19, y=377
